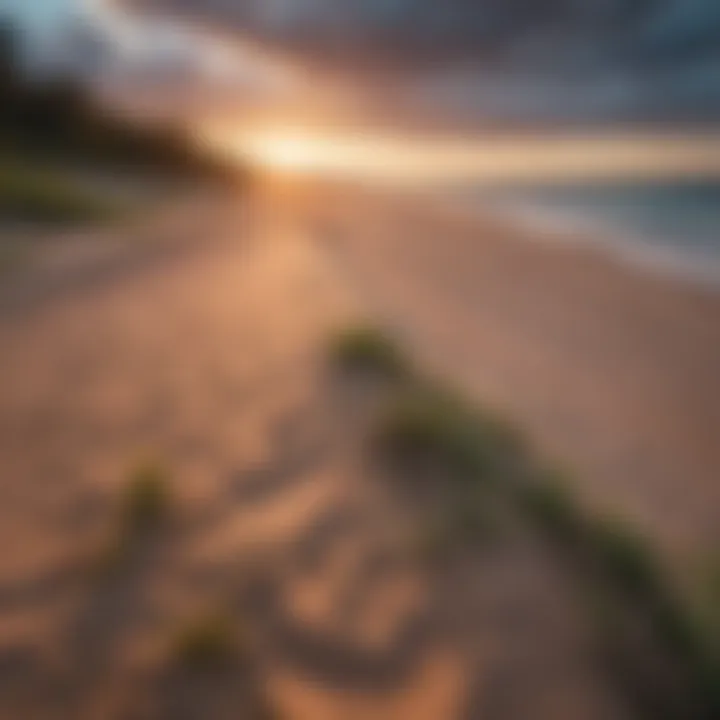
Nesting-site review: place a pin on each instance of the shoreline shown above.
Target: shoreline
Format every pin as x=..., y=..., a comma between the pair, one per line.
x=627, y=247
x=563, y=230
x=612, y=368
x=568, y=228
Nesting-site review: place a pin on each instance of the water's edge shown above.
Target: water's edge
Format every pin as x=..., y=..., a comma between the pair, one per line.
x=665, y=250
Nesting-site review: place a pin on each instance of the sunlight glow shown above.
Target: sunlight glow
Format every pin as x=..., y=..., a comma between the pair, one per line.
x=287, y=152
x=421, y=160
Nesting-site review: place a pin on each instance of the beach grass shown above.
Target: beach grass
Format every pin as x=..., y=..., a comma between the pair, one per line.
x=143, y=504
x=432, y=430
x=624, y=557
x=35, y=194
x=548, y=500
x=421, y=426
x=367, y=349
x=430, y=426
x=207, y=641
x=146, y=498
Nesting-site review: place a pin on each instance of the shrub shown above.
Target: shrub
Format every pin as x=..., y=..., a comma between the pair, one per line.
x=206, y=641
x=625, y=559
x=371, y=350
x=143, y=504
x=550, y=503
x=711, y=594
x=38, y=195
x=146, y=498
x=420, y=426
x=431, y=427
x=660, y=649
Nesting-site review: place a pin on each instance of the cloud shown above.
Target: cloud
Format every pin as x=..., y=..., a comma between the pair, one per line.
x=101, y=37
x=622, y=31
x=603, y=58
x=624, y=58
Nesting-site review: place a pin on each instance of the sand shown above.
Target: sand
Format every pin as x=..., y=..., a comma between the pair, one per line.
x=202, y=347
x=612, y=369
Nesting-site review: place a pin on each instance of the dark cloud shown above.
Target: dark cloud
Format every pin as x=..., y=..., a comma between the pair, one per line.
x=628, y=31
x=655, y=57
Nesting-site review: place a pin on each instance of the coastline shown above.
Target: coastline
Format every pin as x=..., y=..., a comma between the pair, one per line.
x=611, y=367
x=570, y=227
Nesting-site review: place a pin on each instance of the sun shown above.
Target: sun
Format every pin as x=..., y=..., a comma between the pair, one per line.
x=283, y=149
x=285, y=152
x=296, y=149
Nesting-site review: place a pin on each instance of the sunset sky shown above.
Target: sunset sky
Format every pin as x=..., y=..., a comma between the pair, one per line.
x=254, y=88
x=576, y=60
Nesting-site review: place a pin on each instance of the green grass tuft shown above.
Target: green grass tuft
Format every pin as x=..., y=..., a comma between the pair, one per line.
x=650, y=632
x=550, y=503
x=205, y=642
x=371, y=350
x=144, y=503
x=42, y=196
x=422, y=427
x=709, y=609
x=146, y=498
x=433, y=428
x=625, y=558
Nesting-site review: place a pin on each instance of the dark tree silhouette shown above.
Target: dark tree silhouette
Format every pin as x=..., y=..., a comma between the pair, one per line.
x=58, y=117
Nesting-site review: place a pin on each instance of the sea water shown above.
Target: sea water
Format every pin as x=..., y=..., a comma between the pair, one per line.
x=668, y=224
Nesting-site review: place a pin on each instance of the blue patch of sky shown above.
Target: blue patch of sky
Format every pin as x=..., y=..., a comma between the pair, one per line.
x=39, y=17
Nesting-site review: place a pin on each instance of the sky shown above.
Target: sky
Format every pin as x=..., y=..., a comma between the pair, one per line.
x=41, y=17
x=298, y=102
x=145, y=48
x=542, y=78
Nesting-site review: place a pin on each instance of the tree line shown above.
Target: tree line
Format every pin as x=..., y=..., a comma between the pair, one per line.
x=58, y=117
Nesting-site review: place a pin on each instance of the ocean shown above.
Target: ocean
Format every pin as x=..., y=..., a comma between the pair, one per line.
x=672, y=226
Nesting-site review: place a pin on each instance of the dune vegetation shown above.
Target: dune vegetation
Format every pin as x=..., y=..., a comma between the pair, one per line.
x=36, y=193
x=658, y=648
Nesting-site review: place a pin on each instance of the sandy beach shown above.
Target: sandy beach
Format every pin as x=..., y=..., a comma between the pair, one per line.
x=206, y=351
x=612, y=368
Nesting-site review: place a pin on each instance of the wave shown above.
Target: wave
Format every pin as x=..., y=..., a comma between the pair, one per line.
x=668, y=253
